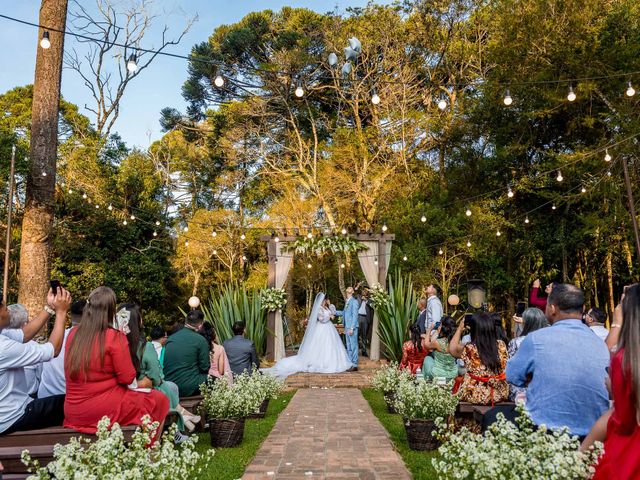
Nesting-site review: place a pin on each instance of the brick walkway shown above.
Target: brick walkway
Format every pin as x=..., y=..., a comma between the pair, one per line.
x=327, y=434
x=360, y=379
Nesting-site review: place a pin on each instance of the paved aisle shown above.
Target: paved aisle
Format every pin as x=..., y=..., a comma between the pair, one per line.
x=327, y=434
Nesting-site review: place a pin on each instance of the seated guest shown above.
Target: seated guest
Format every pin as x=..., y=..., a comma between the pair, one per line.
x=159, y=340
x=563, y=366
x=19, y=317
x=98, y=370
x=532, y=319
x=413, y=352
x=595, y=319
x=500, y=333
x=618, y=428
x=441, y=364
x=219, y=362
x=18, y=411
x=186, y=356
x=485, y=359
x=145, y=361
x=241, y=351
x=52, y=381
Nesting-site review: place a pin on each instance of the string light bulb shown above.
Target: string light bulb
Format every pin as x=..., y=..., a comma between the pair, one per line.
x=97, y=206
x=214, y=234
x=185, y=229
x=571, y=96
x=510, y=193
x=553, y=207
x=70, y=191
x=215, y=252
x=468, y=243
x=608, y=173
x=423, y=219
x=124, y=222
x=468, y=212
x=507, y=98
x=404, y=259
x=375, y=98
x=133, y=217
x=44, y=174
x=583, y=190
x=45, y=42
x=155, y=234
x=375, y=261
x=243, y=236
x=219, y=81
x=559, y=178
x=299, y=92
x=244, y=258
x=442, y=104
x=630, y=90
x=344, y=231
x=440, y=252
x=342, y=265
x=186, y=244
x=84, y=195
x=277, y=239
x=384, y=228
x=607, y=156
x=498, y=233
x=309, y=235
x=526, y=220
x=110, y=207
x=132, y=66
x=309, y=265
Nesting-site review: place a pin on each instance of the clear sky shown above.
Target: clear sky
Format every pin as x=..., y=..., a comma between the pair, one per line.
x=159, y=85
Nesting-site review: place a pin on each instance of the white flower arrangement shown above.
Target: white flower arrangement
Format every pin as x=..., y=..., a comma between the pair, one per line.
x=514, y=452
x=387, y=379
x=273, y=299
x=424, y=401
x=267, y=386
x=221, y=400
x=110, y=456
x=379, y=297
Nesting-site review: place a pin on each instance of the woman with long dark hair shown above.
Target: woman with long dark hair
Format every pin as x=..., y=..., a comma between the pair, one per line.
x=99, y=369
x=441, y=364
x=485, y=359
x=413, y=352
x=619, y=428
x=147, y=365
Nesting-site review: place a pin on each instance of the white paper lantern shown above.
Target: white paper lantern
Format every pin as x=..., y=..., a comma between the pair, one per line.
x=194, y=302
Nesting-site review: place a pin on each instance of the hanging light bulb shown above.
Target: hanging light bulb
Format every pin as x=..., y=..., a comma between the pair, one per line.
x=507, y=98
x=526, y=220
x=607, y=156
x=186, y=244
x=45, y=42
x=498, y=233
x=309, y=235
x=553, y=207
x=571, y=96
x=158, y=223
x=309, y=265
x=375, y=261
x=155, y=234
x=218, y=81
x=375, y=98
x=468, y=243
x=133, y=217
x=214, y=234
x=423, y=219
x=384, y=228
x=510, y=193
x=344, y=231
x=404, y=258
x=277, y=239
x=185, y=229
x=44, y=174
x=215, y=252
x=110, y=207
x=442, y=104
x=342, y=265
x=132, y=66
x=608, y=173
x=124, y=222
x=630, y=90
x=583, y=190
x=299, y=90
x=244, y=258
x=243, y=236
x=84, y=195
x=559, y=178
x=70, y=191
x=440, y=252
x=63, y=184
x=468, y=212
x=97, y=206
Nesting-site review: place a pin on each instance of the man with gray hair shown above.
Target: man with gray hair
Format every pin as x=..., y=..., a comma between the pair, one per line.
x=18, y=318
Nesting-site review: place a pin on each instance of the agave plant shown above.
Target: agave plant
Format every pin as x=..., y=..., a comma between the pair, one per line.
x=399, y=313
x=232, y=303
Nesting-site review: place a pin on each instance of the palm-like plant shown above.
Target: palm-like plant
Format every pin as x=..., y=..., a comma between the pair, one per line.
x=394, y=319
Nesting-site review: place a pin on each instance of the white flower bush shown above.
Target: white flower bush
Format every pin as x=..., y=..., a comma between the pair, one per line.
x=273, y=299
x=513, y=452
x=388, y=378
x=221, y=400
x=425, y=401
x=111, y=457
x=379, y=297
x=259, y=387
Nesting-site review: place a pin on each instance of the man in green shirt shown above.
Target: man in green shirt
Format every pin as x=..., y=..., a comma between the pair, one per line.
x=186, y=356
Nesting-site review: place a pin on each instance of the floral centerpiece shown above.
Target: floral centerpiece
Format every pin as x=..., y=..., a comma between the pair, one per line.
x=421, y=404
x=378, y=297
x=111, y=456
x=226, y=407
x=264, y=387
x=273, y=299
x=388, y=379
x=510, y=452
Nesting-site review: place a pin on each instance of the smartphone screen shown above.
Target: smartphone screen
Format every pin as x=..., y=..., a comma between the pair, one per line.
x=55, y=284
x=520, y=308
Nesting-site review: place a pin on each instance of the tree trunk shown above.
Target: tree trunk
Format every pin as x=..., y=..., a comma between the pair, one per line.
x=37, y=223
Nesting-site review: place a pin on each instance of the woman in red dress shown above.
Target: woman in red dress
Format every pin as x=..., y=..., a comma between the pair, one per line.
x=98, y=371
x=619, y=427
x=413, y=351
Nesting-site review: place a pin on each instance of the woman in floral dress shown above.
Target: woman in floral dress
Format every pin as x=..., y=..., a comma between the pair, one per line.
x=485, y=359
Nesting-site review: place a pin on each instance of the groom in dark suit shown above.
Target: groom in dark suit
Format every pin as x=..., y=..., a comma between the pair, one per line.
x=241, y=351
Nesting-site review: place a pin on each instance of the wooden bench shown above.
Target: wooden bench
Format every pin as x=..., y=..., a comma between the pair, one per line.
x=193, y=404
x=480, y=410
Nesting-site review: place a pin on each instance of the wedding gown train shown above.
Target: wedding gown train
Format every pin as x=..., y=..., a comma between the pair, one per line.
x=321, y=350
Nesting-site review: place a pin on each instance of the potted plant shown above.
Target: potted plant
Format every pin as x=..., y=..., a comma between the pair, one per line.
x=514, y=452
x=421, y=404
x=387, y=380
x=265, y=387
x=110, y=455
x=226, y=407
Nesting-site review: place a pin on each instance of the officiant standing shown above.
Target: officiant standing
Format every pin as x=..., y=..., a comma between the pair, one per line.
x=350, y=320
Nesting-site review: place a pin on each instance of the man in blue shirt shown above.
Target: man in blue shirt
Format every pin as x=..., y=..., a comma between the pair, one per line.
x=563, y=367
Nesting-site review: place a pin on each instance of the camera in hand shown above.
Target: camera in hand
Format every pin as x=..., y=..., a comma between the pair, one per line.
x=55, y=284
x=520, y=308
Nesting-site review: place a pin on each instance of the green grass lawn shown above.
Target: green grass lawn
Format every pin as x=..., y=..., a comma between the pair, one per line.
x=418, y=463
x=230, y=463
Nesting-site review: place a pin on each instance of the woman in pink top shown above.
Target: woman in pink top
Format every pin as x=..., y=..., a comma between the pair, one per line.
x=219, y=361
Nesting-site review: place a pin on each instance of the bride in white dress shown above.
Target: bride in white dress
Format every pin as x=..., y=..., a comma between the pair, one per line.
x=321, y=350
